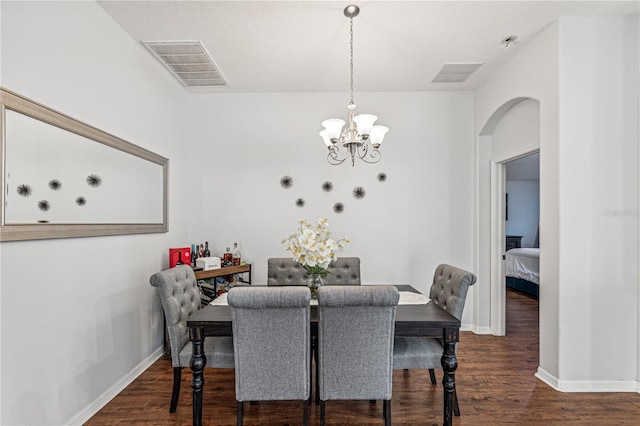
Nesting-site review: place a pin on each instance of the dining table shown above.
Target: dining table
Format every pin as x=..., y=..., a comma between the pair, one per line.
x=419, y=320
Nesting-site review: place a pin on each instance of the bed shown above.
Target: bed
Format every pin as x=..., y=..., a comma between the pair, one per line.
x=522, y=270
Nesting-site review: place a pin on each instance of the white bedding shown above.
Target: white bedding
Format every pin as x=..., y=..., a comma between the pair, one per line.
x=523, y=263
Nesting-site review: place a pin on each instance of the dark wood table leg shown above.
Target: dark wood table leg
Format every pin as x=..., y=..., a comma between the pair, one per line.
x=314, y=355
x=198, y=361
x=449, y=365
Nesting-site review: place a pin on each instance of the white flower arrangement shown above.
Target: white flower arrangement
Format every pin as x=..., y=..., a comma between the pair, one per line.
x=313, y=247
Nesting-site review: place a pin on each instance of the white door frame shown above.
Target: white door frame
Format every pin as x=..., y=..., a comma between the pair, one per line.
x=498, y=236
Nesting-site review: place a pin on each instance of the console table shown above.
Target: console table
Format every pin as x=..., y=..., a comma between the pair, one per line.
x=221, y=272
x=208, y=290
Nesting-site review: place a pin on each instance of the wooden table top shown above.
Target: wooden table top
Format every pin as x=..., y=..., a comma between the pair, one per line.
x=411, y=320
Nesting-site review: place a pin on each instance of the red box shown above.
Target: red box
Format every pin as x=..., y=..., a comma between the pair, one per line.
x=175, y=253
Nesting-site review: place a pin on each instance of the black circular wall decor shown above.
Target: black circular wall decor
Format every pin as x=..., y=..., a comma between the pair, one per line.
x=24, y=190
x=44, y=205
x=327, y=186
x=94, y=180
x=359, y=192
x=300, y=202
x=55, y=184
x=81, y=201
x=286, y=182
x=338, y=207
x=382, y=177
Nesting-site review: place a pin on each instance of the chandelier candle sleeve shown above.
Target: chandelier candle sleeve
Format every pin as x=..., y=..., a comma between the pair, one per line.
x=358, y=136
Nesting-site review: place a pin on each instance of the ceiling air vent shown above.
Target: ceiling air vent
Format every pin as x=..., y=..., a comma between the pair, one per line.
x=188, y=61
x=455, y=73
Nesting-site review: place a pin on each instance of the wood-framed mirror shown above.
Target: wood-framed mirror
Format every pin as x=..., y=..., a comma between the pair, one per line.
x=62, y=178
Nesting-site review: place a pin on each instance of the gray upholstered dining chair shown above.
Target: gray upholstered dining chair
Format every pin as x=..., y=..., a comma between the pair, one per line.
x=286, y=271
x=271, y=338
x=355, y=344
x=449, y=291
x=180, y=297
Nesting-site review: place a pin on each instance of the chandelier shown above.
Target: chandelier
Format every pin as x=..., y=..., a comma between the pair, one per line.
x=359, y=136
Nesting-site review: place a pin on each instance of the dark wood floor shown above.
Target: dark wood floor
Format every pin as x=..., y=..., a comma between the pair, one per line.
x=495, y=382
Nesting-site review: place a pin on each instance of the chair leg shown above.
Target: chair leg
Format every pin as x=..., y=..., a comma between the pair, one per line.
x=322, y=413
x=384, y=410
x=305, y=412
x=175, y=394
x=239, y=412
x=387, y=412
x=432, y=374
x=311, y=370
x=456, y=408
x=315, y=354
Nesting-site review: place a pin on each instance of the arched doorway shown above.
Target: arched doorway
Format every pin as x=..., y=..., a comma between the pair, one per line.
x=512, y=132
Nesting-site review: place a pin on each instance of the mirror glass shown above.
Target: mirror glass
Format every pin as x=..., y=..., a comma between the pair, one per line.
x=63, y=178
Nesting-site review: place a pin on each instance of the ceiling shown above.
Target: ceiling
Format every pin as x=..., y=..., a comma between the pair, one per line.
x=303, y=46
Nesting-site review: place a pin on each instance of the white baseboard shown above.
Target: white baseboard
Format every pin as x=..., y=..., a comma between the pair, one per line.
x=89, y=411
x=598, y=386
x=476, y=329
x=548, y=378
x=587, y=385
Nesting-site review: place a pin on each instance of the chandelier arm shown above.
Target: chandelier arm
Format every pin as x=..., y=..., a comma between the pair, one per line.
x=362, y=150
x=375, y=156
x=364, y=154
x=332, y=157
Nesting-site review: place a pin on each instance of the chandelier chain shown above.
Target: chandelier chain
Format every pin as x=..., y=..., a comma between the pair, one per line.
x=351, y=52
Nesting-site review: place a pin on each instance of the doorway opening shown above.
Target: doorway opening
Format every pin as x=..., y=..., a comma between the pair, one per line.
x=521, y=227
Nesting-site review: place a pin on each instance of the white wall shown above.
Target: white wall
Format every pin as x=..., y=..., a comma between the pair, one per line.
x=78, y=316
x=519, y=129
x=531, y=74
x=598, y=157
x=584, y=72
x=402, y=229
x=524, y=207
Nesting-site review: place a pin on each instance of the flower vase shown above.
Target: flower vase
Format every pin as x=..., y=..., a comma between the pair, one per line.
x=314, y=282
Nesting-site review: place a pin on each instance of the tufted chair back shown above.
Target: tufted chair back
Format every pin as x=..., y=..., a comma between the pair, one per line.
x=272, y=341
x=344, y=271
x=355, y=343
x=285, y=271
x=180, y=297
x=272, y=344
x=449, y=288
